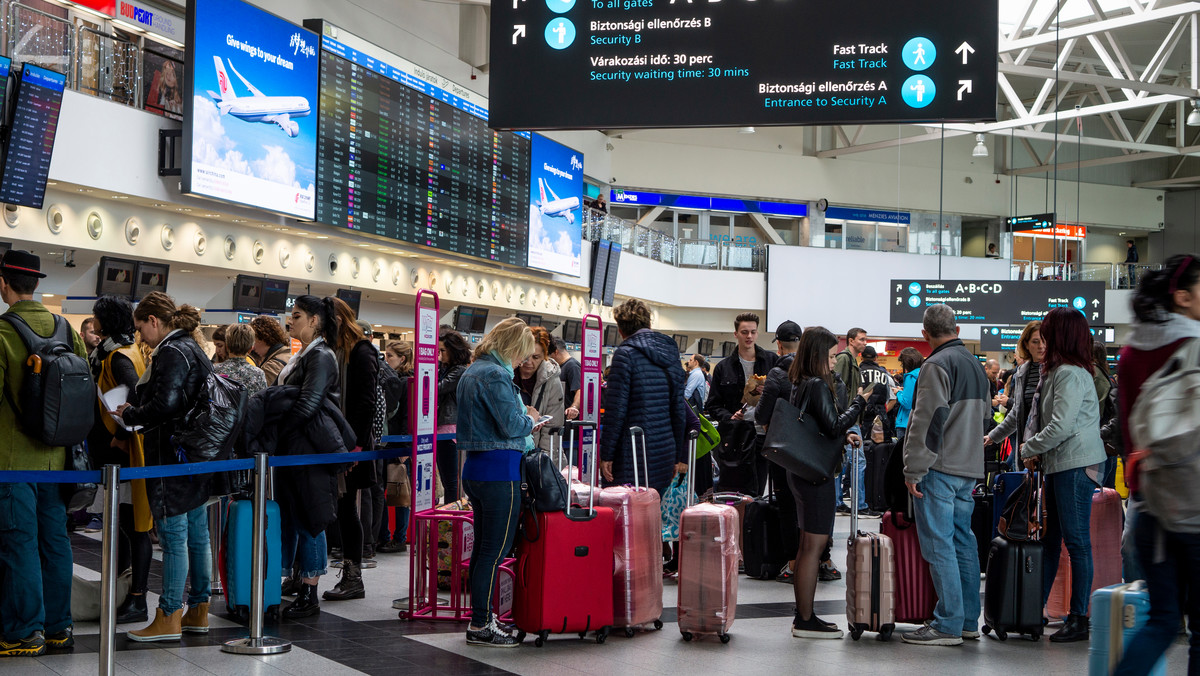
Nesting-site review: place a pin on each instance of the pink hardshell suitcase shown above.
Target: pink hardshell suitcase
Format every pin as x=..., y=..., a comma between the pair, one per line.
x=1107, y=522
x=870, y=576
x=637, y=548
x=708, y=565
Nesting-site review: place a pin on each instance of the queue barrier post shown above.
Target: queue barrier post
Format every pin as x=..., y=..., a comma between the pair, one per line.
x=216, y=513
x=256, y=643
x=108, y=573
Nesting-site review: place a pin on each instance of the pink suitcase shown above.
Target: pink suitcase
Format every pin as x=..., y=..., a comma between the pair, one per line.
x=1107, y=523
x=870, y=576
x=915, y=595
x=637, y=548
x=708, y=566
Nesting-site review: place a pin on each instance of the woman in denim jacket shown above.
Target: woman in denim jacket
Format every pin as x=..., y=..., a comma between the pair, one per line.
x=494, y=430
x=1066, y=444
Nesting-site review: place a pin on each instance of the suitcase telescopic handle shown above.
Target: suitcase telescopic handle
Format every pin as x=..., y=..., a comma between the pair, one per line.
x=571, y=426
x=556, y=436
x=693, y=436
x=635, y=433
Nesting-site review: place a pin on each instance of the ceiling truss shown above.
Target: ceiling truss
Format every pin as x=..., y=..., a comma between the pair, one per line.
x=1052, y=77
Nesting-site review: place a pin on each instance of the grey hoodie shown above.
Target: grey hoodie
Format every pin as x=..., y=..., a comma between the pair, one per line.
x=945, y=430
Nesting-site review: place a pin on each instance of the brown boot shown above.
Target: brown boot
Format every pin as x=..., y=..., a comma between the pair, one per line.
x=195, y=620
x=163, y=628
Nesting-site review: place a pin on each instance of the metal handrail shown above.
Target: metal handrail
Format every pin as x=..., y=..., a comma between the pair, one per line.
x=15, y=40
x=107, y=91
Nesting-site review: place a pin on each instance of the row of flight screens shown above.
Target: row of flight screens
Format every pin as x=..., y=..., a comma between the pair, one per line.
x=321, y=125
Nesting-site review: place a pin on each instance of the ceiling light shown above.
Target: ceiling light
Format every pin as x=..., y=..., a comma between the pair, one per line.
x=1193, y=118
x=241, y=220
x=47, y=295
x=187, y=270
x=745, y=130
x=980, y=149
x=159, y=204
x=120, y=197
x=322, y=236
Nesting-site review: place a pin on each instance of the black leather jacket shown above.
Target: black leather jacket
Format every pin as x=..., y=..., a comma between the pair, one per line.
x=318, y=378
x=729, y=382
x=177, y=373
x=448, y=394
x=821, y=407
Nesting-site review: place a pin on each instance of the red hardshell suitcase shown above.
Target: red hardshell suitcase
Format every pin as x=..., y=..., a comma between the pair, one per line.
x=708, y=565
x=915, y=595
x=565, y=573
x=637, y=548
x=1107, y=523
x=870, y=575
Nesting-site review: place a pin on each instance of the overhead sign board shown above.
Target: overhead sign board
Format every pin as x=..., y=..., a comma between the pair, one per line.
x=999, y=338
x=1031, y=222
x=994, y=302
x=601, y=64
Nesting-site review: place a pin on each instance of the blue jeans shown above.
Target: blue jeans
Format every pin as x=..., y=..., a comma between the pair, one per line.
x=947, y=543
x=1169, y=581
x=861, y=455
x=497, y=506
x=1068, y=498
x=186, y=554
x=302, y=550
x=35, y=561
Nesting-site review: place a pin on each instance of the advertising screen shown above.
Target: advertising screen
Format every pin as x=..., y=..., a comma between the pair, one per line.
x=115, y=277
x=250, y=124
x=407, y=155
x=602, y=64
x=247, y=293
x=555, y=215
x=150, y=277
x=31, y=136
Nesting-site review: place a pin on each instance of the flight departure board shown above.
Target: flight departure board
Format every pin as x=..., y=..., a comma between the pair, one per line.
x=31, y=138
x=403, y=158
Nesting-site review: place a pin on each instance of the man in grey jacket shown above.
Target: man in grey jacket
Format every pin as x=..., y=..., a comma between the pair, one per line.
x=943, y=457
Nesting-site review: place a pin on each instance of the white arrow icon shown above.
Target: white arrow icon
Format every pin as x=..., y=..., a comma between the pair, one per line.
x=516, y=1
x=897, y=288
x=519, y=32
x=1095, y=303
x=964, y=49
x=964, y=86
x=1095, y=315
x=898, y=301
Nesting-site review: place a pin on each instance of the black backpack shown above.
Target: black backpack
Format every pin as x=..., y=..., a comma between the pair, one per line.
x=214, y=421
x=58, y=395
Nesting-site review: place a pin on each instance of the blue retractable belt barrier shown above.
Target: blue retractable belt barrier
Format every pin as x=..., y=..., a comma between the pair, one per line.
x=50, y=477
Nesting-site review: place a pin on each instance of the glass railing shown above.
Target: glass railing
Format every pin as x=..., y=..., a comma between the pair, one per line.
x=660, y=246
x=1114, y=275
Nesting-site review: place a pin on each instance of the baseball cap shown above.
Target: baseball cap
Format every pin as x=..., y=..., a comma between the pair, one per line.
x=23, y=262
x=788, y=332
x=869, y=352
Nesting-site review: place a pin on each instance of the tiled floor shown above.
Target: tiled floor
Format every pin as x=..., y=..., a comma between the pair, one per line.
x=366, y=637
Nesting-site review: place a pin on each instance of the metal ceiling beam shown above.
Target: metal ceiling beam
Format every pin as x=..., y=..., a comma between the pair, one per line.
x=1096, y=27
x=1097, y=162
x=1170, y=182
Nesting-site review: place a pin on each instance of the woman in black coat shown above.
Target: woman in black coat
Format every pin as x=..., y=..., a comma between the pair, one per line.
x=816, y=395
x=165, y=393
x=314, y=369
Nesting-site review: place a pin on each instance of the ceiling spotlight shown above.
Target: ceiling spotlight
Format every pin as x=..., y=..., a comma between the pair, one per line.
x=1193, y=118
x=745, y=130
x=980, y=149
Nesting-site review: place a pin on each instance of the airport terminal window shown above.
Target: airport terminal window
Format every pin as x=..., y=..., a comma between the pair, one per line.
x=892, y=238
x=860, y=236
x=833, y=235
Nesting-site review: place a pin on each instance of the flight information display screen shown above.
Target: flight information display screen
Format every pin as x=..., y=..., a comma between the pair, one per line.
x=402, y=158
x=31, y=138
x=601, y=64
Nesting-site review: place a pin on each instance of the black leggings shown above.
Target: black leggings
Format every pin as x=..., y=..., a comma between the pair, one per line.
x=447, y=467
x=372, y=505
x=133, y=550
x=350, y=527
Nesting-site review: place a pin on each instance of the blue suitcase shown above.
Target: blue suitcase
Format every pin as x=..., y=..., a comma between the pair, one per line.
x=239, y=527
x=1118, y=612
x=1005, y=484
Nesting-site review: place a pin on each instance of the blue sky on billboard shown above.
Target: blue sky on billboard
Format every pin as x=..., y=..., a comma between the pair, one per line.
x=555, y=213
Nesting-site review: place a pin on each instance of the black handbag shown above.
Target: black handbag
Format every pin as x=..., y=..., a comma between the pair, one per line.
x=78, y=496
x=796, y=444
x=543, y=487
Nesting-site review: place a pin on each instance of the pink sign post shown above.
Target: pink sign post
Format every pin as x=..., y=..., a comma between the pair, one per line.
x=592, y=362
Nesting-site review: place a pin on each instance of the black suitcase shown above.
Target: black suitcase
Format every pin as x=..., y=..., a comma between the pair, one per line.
x=763, y=552
x=877, y=462
x=1012, y=593
x=981, y=523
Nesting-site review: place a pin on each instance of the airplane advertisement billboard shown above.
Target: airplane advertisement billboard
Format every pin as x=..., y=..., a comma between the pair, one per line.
x=555, y=215
x=250, y=109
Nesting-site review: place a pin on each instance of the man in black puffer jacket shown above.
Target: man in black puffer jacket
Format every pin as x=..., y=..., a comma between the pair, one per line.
x=644, y=389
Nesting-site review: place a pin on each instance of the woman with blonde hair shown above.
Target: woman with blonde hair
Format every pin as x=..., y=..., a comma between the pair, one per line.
x=541, y=388
x=494, y=429
x=1024, y=383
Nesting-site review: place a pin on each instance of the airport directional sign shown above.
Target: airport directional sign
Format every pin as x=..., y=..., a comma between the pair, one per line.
x=1031, y=222
x=603, y=64
x=999, y=338
x=989, y=302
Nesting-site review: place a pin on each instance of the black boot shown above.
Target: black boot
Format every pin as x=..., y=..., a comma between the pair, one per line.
x=350, y=586
x=1074, y=629
x=133, y=609
x=291, y=584
x=305, y=605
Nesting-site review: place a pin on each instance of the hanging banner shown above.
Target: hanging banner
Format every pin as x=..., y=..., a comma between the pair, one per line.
x=423, y=398
x=589, y=399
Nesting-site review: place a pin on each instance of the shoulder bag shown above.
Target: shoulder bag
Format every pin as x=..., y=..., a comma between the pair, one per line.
x=795, y=443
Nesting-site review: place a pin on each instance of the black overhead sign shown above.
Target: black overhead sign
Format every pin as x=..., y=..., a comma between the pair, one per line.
x=993, y=302
x=999, y=338
x=600, y=64
x=1031, y=222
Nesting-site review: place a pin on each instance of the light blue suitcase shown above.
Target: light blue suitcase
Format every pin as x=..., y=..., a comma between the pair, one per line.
x=1118, y=612
x=238, y=550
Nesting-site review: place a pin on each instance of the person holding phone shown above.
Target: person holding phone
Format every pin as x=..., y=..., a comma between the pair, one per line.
x=541, y=388
x=495, y=427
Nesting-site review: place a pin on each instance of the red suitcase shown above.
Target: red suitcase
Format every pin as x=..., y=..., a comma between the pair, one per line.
x=1107, y=523
x=708, y=565
x=565, y=573
x=915, y=596
x=637, y=548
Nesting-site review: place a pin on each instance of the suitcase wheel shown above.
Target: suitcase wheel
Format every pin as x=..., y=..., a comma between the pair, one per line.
x=1002, y=635
x=986, y=630
x=724, y=638
x=629, y=632
x=856, y=632
x=602, y=635
x=885, y=632
x=1036, y=634
x=541, y=639
x=658, y=625
x=687, y=636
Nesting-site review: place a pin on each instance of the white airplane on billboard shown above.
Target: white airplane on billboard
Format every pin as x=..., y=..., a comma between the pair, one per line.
x=556, y=207
x=258, y=108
